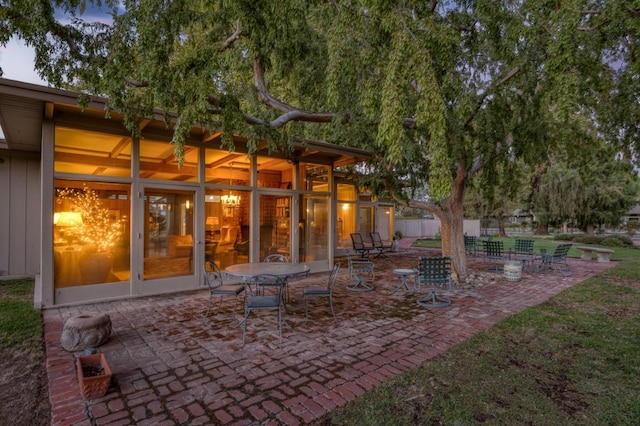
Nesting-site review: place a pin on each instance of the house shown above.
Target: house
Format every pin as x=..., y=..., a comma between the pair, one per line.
x=96, y=214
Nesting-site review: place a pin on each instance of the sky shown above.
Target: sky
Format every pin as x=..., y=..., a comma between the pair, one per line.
x=17, y=62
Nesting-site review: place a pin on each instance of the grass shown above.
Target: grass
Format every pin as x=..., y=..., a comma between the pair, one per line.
x=21, y=327
x=541, y=244
x=572, y=360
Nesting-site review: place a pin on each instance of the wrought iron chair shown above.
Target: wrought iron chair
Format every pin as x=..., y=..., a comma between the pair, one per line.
x=556, y=261
x=380, y=245
x=322, y=291
x=434, y=274
x=359, y=246
x=280, y=258
x=276, y=258
x=257, y=300
x=210, y=251
x=360, y=269
x=217, y=288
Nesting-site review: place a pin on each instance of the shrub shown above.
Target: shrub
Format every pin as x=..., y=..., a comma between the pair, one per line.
x=617, y=241
x=588, y=239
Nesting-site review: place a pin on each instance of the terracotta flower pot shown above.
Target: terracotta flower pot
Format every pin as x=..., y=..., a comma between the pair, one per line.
x=94, y=375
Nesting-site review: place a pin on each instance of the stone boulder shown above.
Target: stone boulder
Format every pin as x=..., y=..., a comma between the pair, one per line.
x=85, y=331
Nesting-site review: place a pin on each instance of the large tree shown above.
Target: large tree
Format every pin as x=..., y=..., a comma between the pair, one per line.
x=438, y=90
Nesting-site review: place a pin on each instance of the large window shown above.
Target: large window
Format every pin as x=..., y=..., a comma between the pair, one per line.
x=91, y=230
x=91, y=153
x=157, y=161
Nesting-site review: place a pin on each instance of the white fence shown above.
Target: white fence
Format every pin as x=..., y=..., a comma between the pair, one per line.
x=425, y=228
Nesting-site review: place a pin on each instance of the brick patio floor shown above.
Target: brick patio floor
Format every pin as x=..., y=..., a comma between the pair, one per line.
x=171, y=368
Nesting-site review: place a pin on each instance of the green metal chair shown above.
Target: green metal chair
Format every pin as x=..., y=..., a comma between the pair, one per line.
x=556, y=261
x=434, y=275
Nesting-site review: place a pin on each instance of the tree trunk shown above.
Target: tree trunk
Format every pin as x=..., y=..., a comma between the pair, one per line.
x=501, y=230
x=542, y=229
x=452, y=221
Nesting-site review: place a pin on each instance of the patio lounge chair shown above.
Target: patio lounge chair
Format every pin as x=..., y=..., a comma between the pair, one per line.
x=359, y=246
x=217, y=288
x=322, y=291
x=380, y=245
x=556, y=261
x=360, y=269
x=434, y=275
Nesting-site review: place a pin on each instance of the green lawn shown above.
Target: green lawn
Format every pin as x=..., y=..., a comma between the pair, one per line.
x=20, y=324
x=573, y=360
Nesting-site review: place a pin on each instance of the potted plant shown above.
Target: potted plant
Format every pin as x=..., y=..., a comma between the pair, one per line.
x=397, y=236
x=94, y=375
x=98, y=233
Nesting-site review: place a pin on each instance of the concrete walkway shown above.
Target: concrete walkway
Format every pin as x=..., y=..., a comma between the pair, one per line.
x=171, y=368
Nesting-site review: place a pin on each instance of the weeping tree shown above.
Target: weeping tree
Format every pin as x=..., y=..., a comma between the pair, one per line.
x=439, y=91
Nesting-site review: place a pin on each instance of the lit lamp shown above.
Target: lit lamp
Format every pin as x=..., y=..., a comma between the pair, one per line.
x=66, y=221
x=230, y=200
x=212, y=221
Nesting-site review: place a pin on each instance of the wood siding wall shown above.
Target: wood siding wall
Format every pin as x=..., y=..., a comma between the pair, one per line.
x=20, y=215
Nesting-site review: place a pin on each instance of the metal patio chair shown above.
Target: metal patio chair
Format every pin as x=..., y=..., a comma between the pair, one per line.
x=276, y=258
x=361, y=270
x=434, y=275
x=494, y=254
x=359, y=246
x=379, y=245
x=556, y=261
x=217, y=288
x=257, y=300
x=523, y=251
x=323, y=291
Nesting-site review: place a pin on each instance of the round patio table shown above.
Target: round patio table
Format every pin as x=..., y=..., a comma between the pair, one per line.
x=250, y=270
x=279, y=269
x=404, y=274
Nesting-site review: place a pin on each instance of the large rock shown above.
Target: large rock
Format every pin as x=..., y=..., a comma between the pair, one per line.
x=85, y=331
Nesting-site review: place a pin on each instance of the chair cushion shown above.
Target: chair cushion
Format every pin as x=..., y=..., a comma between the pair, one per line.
x=257, y=302
x=318, y=291
x=228, y=290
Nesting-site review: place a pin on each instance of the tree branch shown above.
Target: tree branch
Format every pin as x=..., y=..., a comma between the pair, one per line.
x=233, y=37
x=290, y=112
x=502, y=81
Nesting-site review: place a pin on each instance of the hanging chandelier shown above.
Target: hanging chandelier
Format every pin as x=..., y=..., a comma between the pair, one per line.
x=230, y=200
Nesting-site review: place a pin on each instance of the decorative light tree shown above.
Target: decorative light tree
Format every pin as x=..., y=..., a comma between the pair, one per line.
x=98, y=230
x=99, y=233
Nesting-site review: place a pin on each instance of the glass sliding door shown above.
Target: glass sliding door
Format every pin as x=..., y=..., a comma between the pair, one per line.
x=366, y=221
x=168, y=233
x=384, y=222
x=275, y=225
x=314, y=228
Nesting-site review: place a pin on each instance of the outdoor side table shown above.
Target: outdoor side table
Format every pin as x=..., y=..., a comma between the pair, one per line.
x=404, y=274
